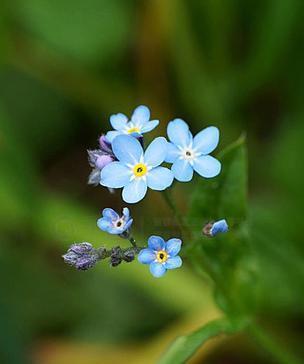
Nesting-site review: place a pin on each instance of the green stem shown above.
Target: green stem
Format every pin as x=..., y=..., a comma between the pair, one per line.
x=275, y=349
x=133, y=242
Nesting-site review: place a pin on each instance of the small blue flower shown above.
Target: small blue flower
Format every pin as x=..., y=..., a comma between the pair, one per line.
x=139, y=124
x=161, y=255
x=135, y=169
x=112, y=223
x=188, y=153
x=213, y=228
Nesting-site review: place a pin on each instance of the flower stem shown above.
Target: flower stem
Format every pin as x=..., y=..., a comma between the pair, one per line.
x=133, y=242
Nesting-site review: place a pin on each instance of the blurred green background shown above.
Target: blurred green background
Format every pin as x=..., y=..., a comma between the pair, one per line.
x=65, y=67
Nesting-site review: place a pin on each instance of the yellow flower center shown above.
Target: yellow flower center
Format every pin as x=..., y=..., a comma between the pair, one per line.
x=134, y=130
x=140, y=170
x=161, y=256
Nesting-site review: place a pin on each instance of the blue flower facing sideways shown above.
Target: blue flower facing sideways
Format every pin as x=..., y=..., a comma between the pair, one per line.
x=139, y=124
x=161, y=255
x=112, y=223
x=188, y=153
x=135, y=169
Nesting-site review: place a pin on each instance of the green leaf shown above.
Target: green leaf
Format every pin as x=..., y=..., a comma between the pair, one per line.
x=185, y=346
x=227, y=258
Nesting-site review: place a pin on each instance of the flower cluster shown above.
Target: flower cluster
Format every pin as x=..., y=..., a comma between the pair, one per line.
x=122, y=162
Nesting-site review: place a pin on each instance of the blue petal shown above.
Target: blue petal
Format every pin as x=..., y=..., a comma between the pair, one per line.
x=110, y=214
x=104, y=224
x=150, y=125
x=135, y=191
x=174, y=262
x=126, y=213
x=140, y=115
x=159, y=178
x=156, y=243
x=182, y=170
x=207, y=166
x=115, y=230
x=111, y=135
x=118, y=121
x=146, y=256
x=220, y=226
x=172, y=153
x=206, y=140
x=173, y=246
x=178, y=133
x=127, y=149
x=128, y=225
x=115, y=175
x=156, y=152
x=157, y=269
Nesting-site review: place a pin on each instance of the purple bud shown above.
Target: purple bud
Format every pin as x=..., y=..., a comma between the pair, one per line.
x=105, y=145
x=103, y=160
x=81, y=256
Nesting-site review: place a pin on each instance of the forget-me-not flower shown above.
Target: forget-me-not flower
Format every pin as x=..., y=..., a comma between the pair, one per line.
x=135, y=169
x=214, y=228
x=139, y=124
x=112, y=223
x=188, y=153
x=161, y=255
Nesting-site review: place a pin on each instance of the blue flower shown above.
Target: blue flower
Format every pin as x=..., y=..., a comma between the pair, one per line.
x=135, y=169
x=161, y=255
x=188, y=153
x=112, y=223
x=213, y=228
x=139, y=124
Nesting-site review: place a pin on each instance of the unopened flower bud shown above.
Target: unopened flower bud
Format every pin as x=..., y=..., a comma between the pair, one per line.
x=105, y=145
x=213, y=228
x=81, y=255
x=129, y=255
x=94, y=177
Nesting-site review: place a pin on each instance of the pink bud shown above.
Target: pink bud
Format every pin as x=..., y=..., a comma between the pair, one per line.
x=103, y=160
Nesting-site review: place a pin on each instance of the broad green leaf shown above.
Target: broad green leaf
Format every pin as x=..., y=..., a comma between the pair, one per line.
x=185, y=346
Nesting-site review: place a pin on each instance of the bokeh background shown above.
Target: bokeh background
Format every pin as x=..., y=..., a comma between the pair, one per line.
x=65, y=67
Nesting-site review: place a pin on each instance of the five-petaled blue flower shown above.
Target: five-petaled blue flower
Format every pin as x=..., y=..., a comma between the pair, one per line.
x=139, y=124
x=112, y=223
x=161, y=255
x=135, y=169
x=188, y=153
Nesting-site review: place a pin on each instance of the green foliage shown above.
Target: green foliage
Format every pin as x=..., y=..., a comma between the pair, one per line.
x=185, y=346
x=88, y=32
x=227, y=259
